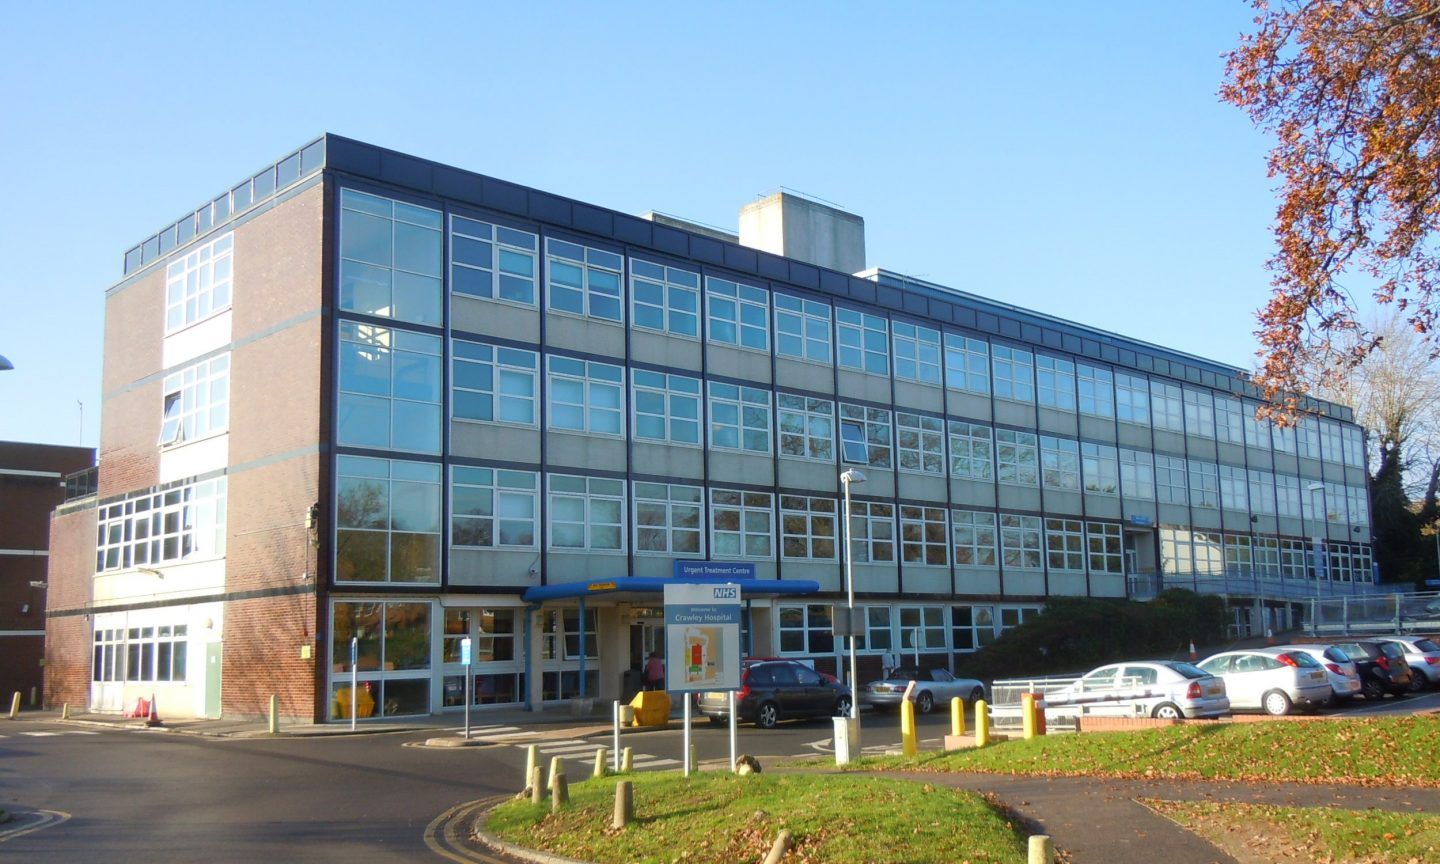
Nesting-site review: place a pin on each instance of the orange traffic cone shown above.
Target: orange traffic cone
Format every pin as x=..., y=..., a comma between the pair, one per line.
x=154, y=719
x=1194, y=655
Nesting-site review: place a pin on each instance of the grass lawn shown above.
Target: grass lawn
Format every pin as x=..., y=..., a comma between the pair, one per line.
x=1372, y=751
x=1262, y=833
x=722, y=819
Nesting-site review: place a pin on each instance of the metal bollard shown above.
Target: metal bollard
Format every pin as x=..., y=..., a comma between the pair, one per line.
x=624, y=804
x=1042, y=850
x=599, y=770
x=274, y=724
x=982, y=723
x=627, y=758
x=1027, y=714
x=907, y=728
x=957, y=716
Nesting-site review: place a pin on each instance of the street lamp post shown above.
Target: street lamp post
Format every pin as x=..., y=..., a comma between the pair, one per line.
x=850, y=477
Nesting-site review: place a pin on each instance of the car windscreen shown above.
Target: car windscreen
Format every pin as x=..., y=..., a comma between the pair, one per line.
x=1425, y=646
x=904, y=675
x=1392, y=650
x=1335, y=655
x=1303, y=659
x=1188, y=670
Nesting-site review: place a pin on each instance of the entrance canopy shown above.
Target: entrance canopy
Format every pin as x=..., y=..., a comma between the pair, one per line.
x=633, y=585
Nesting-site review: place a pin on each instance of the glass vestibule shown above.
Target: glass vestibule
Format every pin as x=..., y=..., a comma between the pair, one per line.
x=499, y=676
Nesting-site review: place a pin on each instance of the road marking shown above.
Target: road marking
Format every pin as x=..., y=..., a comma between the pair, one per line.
x=48, y=818
x=579, y=747
x=40, y=734
x=484, y=730
x=652, y=762
x=442, y=837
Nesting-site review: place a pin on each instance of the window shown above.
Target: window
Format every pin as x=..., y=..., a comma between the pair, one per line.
x=1353, y=445
x=922, y=628
x=1199, y=413
x=1170, y=480
x=1059, y=463
x=921, y=442
x=739, y=417
x=162, y=526
x=972, y=455
x=1267, y=556
x=667, y=407
x=492, y=261
x=1307, y=433
x=741, y=524
x=668, y=519
x=1363, y=564
x=586, y=513
x=877, y=629
x=1132, y=399
x=1232, y=488
x=802, y=329
x=917, y=353
x=1340, y=562
x=1356, y=505
x=586, y=396
x=805, y=630
x=971, y=627
x=1239, y=557
x=389, y=388
x=807, y=427
x=583, y=281
x=1100, y=469
x=1292, y=559
x=865, y=435
x=1165, y=406
x=1013, y=616
x=197, y=401
x=387, y=521
x=1284, y=439
x=1287, y=495
x=198, y=285
x=1065, y=544
x=1176, y=552
x=492, y=383
x=1228, y=424
x=967, y=363
x=974, y=535
x=149, y=654
x=807, y=528
x=1103, y=548
x=108, y=664
x=738, y=314
x=1262, y=492
x=1013, y=372
x=1055, y=382
x=665, y=298
x=394, y=642
x=1204, y=484
x=493, y=508
x=1017, y=458
x=872, y=532
x=390, y=258
x=1020, y=541
x=1137, y=474
x=1257, y=431
x=862, y=340
x=922, y=536
x=1335, y=505
x=1330, y=447
x=1209, y=554
x=1097, y=390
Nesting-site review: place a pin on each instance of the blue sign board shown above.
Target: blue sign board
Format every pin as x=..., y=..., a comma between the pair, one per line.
x=1143, y=521
x=465, y=651
x=1432, y=583
x=714, y=570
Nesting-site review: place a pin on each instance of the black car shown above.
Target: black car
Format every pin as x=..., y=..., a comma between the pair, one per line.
x=775, y=690
x=1381, y=666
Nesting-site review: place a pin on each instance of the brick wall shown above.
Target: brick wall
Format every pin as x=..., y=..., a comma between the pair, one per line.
x=71, y=584
x=263, y=638
x=130, y=419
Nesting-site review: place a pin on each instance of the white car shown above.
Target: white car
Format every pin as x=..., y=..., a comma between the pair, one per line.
x=1274, y=680
x=1423, y=655
x=1162, y=688
x=1339, y=669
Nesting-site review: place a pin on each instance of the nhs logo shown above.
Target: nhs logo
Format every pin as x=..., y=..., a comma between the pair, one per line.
x=726, y=592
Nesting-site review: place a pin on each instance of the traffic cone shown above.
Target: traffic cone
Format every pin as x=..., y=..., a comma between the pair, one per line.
x=154, y=719
x=1194, y=655
x=1269, y=636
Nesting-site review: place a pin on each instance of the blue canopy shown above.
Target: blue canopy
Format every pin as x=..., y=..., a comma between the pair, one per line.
x=656, y=585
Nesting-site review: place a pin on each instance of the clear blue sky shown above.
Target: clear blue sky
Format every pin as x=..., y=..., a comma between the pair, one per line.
x=1069, y=157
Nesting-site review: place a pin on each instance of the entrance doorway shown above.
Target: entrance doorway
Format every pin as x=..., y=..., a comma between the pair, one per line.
x=646, y=635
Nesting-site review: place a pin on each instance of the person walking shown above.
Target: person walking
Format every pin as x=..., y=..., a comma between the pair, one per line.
x=655, y=672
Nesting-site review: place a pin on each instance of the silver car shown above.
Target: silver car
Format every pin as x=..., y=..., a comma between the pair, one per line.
x=1423, y=655
x=1339, y=669
x=932, y=687
x=1163, y=688
x=1274, y=680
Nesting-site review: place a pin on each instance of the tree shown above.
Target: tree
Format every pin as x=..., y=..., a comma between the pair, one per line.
x=1351, y=90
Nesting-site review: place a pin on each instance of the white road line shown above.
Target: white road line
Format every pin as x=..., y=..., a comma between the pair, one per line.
x=80, y=732
x=485, y=730
x=654, y=763
x=40, y=734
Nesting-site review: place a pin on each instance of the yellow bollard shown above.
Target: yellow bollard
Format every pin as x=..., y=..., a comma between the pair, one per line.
x=1027, y=714
x=982, y=723
x=65, y=711
x=957, y=716
x=1041, y=850
x=907, y=728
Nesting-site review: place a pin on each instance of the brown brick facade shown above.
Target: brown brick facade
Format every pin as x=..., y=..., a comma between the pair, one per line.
x=67, y=636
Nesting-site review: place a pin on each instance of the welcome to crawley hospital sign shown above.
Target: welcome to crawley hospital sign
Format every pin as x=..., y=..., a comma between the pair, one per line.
x=702, y=637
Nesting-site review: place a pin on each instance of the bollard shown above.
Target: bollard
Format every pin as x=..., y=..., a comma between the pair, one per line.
x=957, y=716
x=694, y=759
x=627, y=757
x=624, y=804
x=982, y=723
x=907, y=728
x=532, y=761
x=559, y=789
x=1042, y=850
x=782, y=845
x=599, y=770
x=1027, y=714
x=274, y=724
x=537, y=785
x=65, y=711
x=15, y=705
x=34, y=696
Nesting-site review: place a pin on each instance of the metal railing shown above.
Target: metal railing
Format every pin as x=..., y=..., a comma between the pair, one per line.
x=1386, y=613
x=1062, y=713
x=1147, y=586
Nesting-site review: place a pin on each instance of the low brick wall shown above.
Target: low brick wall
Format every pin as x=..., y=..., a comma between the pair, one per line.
x=1091, y=723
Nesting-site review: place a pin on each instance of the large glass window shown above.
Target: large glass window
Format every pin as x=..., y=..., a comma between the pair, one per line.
x=1257, y=431
x=806, y=630
x=389, y=388
x=1097, y=390
x=872, y=532
x=1014, y=373
x=665, y=298
x=587, y=513
x=865, y=436
x=1170, y=480
x=1017, y=458
x=1100, y=468
x=1284, y=439
x=1204, y=484
x=807, y=427
x=802, y=329
x=738, y=314
x=493, y=507
x=967, y=363
x=1055, y=382
x=971, y=627
x=1059, y=463
x=1228, y=426
x=390, y=258
x=197, y=401
x=1353, y=444
x=1267, y=556
x=1103, y=548
x=863, y=341
x=807, y=528
x=1137, y=474
x=923, y=536
x=1307, y=433
x=917, y=353
x=667, y=407
x=387, y=521
x=1232, y=488
x=1293, y=556
x=742, y=524
x=1065, y=544
x=1020, y=541
x=161, y=526
x=739, y=417
x=1166, y=406
x=1287, y=495
x=493, y=383
x=974, y=535
x=393, y=640
x=922, y=628
x=1330, y=447
x=586, y=396
x=1132, y=399
x=583, y=281
x=668, y=518
x=1176, y=552
x=1199, y=413
x=1239, y=555
x=198, y=285
x=1357, y=505
x=972, y=454
x=920, y=441
x=1262, y=492
x=492, y=261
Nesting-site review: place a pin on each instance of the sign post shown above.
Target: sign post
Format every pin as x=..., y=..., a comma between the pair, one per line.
x=354, y=679
x=465, y=661
x=702, y=644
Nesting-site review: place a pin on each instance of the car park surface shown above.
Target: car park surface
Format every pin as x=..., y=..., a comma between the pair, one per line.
x=1274, y=680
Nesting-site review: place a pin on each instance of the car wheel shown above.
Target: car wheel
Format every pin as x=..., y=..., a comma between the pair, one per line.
x=842, y=706
x=1372, y=689
x=976, y=695
x=1417, y=682
x=1276, y=703
x=1167, y=711
x=925, y=703
x=767, y=715
x=717, y=721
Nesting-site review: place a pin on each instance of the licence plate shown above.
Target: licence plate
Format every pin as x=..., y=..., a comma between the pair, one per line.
x=1213, y=690
x=883, y=688
x=716, y=697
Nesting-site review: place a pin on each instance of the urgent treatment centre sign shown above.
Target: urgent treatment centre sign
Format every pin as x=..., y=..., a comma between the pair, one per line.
x=702, y=637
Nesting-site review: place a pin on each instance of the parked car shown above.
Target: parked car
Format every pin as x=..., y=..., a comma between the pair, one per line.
x=1339, y=669
x=1423, y=657
x=1381, y=665
x=1163, y=688
x=775, y=690
x=1274, y=680
x=932, y=686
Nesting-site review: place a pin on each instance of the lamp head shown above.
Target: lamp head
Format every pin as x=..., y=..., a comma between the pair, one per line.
x=852, y=475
